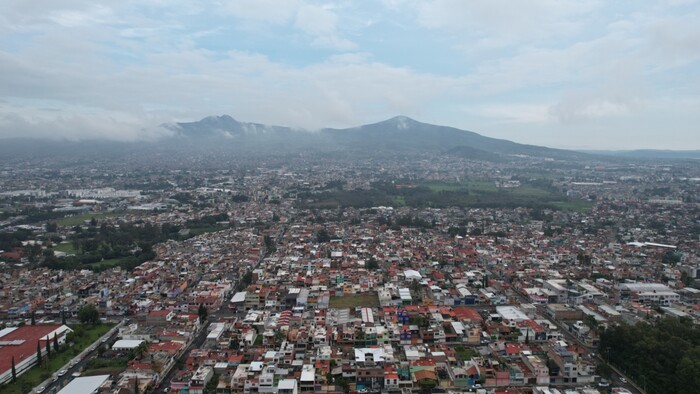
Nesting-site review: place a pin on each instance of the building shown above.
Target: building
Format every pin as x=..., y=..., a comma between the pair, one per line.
x=84, y=385
x=20, y=344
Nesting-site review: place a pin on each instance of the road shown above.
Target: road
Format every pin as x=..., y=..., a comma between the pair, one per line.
x=617, y=376
x=221, y=313
x=61, y=381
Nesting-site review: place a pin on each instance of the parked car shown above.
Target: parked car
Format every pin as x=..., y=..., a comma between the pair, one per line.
x=62, y=372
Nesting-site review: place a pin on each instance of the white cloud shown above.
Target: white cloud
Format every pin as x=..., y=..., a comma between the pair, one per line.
x=507, y=66
x=501, y=22
x=268, y=11
x=316, y=20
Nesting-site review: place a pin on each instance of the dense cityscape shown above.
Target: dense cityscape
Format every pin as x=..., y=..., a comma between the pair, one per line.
x=367, y=274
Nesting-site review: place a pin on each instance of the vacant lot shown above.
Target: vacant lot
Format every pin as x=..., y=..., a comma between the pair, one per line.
x=369, y=300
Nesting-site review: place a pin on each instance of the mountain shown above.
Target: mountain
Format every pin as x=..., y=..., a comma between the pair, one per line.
x=223, y=126
x=398, y=134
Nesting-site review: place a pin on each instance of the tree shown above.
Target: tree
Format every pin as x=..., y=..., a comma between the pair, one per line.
x=322, y=236
x=51, y=227
x=202, y=313
x=89, y=314
x=63, y=317
x=269, y=244
x=211, y=386
x=139, y=351
x=55, y=342
x=372, y=264
x=48, y=347
x=33, y=319
x=14, y=371
x=38, y=352
x=247, y=278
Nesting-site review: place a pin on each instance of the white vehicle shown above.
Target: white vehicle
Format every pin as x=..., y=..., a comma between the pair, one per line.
x=62, y=372
x=41, y=389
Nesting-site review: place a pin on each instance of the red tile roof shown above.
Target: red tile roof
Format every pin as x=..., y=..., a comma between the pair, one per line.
x=30, y=335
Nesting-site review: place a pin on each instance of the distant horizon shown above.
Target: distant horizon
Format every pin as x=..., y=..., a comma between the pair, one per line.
x=165, y=135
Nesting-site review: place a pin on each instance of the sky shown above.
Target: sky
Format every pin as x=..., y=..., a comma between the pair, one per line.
x=576, y=74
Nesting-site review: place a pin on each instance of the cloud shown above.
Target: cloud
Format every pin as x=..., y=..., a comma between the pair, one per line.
x=56, y=124
x=581, y=108
x=510, y=67
x=267, y=11
x=500, y=23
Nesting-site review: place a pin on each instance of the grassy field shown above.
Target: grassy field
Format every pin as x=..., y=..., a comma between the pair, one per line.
x=80, y=219
x=66, y=247
x=107, y=263
x=350, y=301
x=574, y=205
x=38, y=374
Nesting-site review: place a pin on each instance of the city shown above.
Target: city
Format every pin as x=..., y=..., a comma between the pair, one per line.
x=293, y=276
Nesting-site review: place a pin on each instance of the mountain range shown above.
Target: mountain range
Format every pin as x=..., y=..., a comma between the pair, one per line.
x=398, y=134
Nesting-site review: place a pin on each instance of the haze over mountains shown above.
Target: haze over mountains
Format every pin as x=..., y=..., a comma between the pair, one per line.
x=399, y=134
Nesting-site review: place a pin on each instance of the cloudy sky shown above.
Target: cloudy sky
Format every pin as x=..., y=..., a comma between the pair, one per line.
x=570, y=73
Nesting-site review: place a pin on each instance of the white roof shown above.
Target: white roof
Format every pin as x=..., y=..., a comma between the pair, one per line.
x=307, y=373
x=84, y=385
x=412, y=274
x=287, y=384
x=377, y=354
x=511, y=313
x=367, y=315
x=127, y=343
x=238, y=297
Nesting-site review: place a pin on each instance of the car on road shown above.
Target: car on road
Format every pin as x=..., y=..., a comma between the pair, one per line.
x=623, y=380
x=54, y=379
x=62, y=372
x=41, y=389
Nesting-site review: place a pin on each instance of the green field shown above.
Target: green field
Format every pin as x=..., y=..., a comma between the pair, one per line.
x=473, y=186
x=38, y=374
x=537, y=194
x=350, y=301
x=574, y=205
x=66, y=247
x=80, y=219
x=111, y=263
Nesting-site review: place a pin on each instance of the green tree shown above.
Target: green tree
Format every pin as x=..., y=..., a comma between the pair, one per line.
x=202, y=313
x=55, y=342
x=48, y=348
x=89, y=314
x=33, y=319
x=322, y=236
x=247, y=279
x=372, y=264
x=269, y=244
x=14, y=371
x=38, y=352
x=211, y=386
